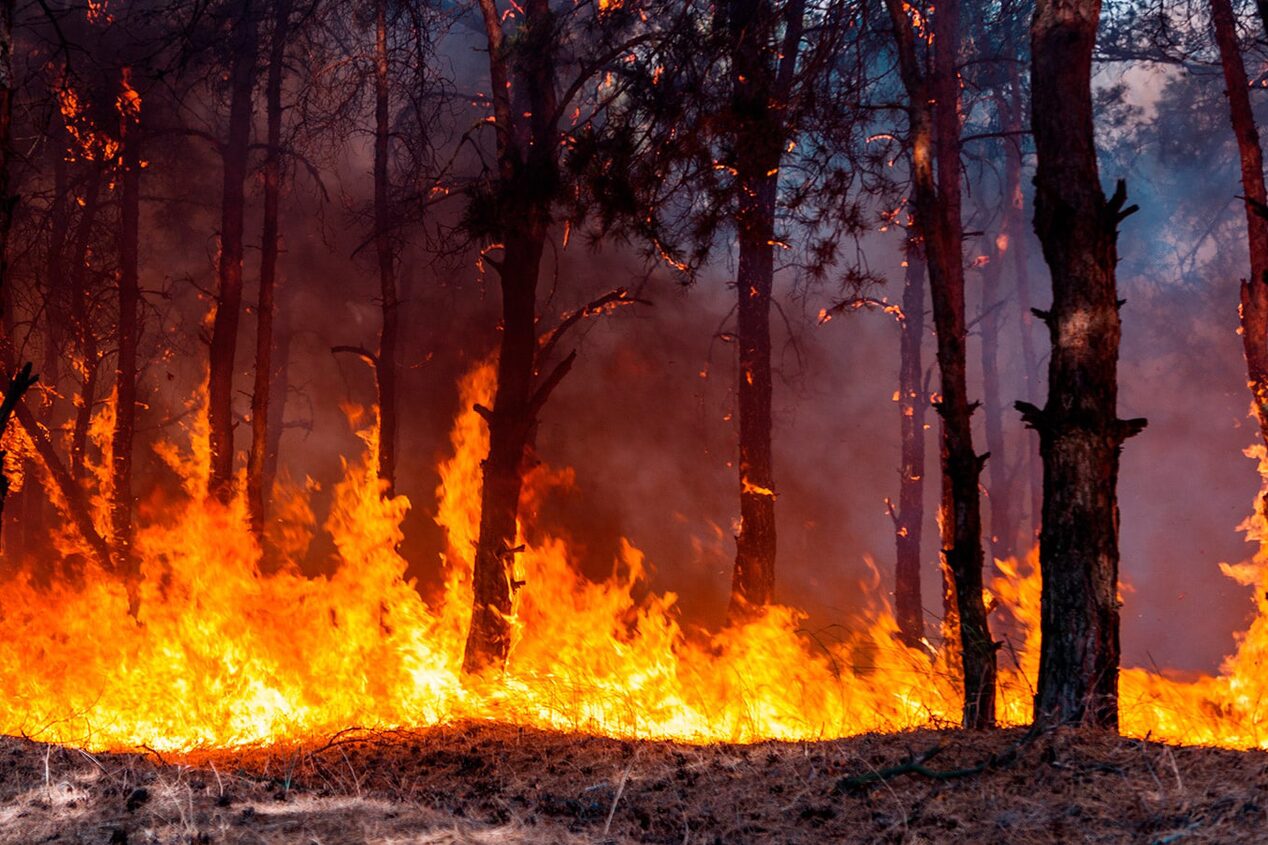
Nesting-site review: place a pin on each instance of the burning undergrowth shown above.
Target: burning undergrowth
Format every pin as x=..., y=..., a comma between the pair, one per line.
x=226, y=650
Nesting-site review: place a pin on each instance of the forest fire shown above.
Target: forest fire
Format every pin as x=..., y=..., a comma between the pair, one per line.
x=506, y=398
x=230, y=655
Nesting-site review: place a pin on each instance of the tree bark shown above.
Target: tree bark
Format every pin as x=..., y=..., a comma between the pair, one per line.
x=1080, y=434
x=8, y=201
x=385, y=369
x=912, y=401
x=257, y=492
x=279, y=389
x=1254, y=290
x=224, y=336
x=85, y=334
x=527, y=150
x=749, y=23
x=934, y=118
x=510, y=425
x=1003, y=528
x=128, y=335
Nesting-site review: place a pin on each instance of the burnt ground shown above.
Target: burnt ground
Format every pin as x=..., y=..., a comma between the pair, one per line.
x=485, y=783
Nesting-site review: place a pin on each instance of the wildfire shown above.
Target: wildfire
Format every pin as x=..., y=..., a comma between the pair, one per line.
x=224, y=654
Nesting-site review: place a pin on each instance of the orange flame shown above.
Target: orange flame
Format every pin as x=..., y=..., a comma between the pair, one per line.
x=224, y=654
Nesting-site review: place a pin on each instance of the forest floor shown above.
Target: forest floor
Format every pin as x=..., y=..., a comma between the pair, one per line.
x=488, y=783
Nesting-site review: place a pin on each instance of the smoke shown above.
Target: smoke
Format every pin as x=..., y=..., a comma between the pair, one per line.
x=646, y=416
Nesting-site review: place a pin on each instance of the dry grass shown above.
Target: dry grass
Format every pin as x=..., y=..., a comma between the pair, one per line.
x=485, y=783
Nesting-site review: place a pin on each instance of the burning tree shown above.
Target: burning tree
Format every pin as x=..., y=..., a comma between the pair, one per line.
x=934, y=125
x=512, y=210
x=1253, y=309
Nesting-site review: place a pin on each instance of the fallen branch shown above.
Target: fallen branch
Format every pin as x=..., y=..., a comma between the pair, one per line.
x=72, y=503
x=916, y=766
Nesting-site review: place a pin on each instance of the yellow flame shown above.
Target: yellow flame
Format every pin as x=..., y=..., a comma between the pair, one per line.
x=223, y=653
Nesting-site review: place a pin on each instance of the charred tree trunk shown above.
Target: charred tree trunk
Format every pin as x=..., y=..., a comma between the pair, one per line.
x=761, y=79
x=1254, y=291
x=510, y=426
x=912, y=401
x=279, y=390
x=933, y=115
x=385, y=369
x=85, y=335
x=1080, y=434
x=128, y=332
x=257, y=492
x=527, y=144
x=224, y=336
x=8, y=201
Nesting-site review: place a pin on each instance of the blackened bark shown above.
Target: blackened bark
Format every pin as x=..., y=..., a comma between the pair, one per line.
x=1080, y=434
x=761, y=78
x=279, y=389
x=912, y=401
x=934, y=125
x=261, y=409
x=527, y=150
x=224, y=336
x=128, y=332
x=385, y=368
x=8, y=201
x=85, y=334
x=1254, y=291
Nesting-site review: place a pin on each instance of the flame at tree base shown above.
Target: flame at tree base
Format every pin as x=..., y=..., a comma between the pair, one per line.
x=222, y=655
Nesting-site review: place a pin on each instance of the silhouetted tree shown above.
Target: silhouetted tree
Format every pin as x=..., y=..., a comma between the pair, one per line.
x=1080, y=434
x=934, y=127
x=242, y=32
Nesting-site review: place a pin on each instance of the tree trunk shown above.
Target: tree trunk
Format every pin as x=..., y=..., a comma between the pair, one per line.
x=224, y=336
x=510, y=425
x=933, y=105
x=279, y=390
x=128, y=332
x=257, y=492
x=385, y=368
x=85, y=336
x=1014, y=231
x=1080, y=434
x=753, y=583
x=1003, y=529
x=1254, y=291
x=912, y=401
x=8, y=201
x=762, y=77
x=527, y=150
